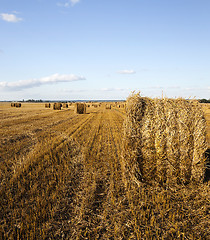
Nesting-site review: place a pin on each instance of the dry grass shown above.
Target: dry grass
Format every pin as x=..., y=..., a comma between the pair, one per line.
x=42, y=185
x=51, y=188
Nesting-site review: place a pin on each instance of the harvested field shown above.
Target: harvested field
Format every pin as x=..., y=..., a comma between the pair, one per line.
x=62, y=177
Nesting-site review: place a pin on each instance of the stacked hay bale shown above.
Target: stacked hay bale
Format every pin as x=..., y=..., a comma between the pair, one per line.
x=164, y=141
x=57, y=106
x=47, y=105
x=80, y=108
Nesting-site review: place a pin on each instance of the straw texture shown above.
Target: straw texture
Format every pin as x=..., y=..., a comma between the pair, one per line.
x=164, y=141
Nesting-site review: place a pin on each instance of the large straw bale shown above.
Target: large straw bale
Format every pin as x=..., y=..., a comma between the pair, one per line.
x=172, y=135
x=200, y=143
x=132, y=164
x=164, y=141
x=160, y=141
x=185, y=116
x=12, y=104
x=80, y=108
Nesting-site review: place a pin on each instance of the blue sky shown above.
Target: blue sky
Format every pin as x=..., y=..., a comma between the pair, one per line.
x=104, y=49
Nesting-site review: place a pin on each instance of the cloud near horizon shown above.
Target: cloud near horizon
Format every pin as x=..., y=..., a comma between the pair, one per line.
x=127, y=72
x=10, y=17
x=55, y=78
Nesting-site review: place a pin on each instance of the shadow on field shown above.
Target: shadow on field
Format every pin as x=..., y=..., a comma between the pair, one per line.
x=207, y=170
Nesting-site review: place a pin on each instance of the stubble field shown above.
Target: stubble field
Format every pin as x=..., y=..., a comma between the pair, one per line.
x=61, y=178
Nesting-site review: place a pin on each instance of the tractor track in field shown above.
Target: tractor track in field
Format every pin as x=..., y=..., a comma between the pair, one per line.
x=101, y=158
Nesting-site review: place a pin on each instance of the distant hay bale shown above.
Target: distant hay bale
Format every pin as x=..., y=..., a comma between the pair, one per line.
x=12, y=104
x=47, y=105
x=164, y=141
x=121, y=105
x=108, y=106
x=80, y=108
x=57, y=106
x=65, y=105
x=17, y=105
x=95, y=105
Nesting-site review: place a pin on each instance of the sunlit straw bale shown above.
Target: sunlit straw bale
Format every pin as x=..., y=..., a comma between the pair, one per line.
x=164, y=140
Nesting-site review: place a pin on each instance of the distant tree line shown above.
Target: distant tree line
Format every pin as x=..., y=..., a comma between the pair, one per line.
x=204, y=100
x=32, y=100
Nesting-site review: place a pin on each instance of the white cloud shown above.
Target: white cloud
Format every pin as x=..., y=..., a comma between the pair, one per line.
x=55, y=78
x=10, y=17
x=74, y=1
x=68, y=3
x=127, y=72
